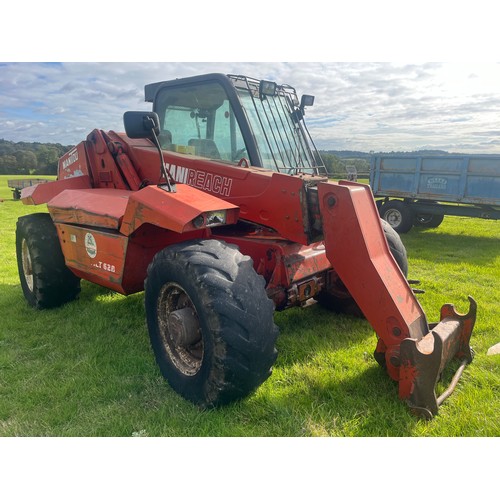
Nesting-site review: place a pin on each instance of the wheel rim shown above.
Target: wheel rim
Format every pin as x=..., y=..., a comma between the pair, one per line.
x=393, y=217
x=27, y=267
x=180, y=329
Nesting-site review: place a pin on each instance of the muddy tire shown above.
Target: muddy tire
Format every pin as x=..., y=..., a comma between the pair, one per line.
x=45, y=280
x=346, y=304
x=396, y=247
x=210, y=322
x=398, y=214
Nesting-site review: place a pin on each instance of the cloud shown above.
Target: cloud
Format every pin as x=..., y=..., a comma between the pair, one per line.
x=368, y=106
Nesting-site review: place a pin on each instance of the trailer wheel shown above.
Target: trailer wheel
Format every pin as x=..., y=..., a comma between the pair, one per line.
x=210, y=322
x=45, y=280
x=428, y=220
x=398, y=214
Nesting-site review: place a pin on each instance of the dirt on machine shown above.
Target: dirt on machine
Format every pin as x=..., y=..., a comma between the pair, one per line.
x=217, y=205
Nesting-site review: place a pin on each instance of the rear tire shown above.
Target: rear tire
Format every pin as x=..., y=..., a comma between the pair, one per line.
x=210, y=322
x=396, y=247
x=45, y=280
x=398, y=214
x=347, y=305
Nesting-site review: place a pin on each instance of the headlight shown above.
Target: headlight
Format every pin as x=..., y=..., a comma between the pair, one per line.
x=267, y=88
x=209, y=219
x=216, y=218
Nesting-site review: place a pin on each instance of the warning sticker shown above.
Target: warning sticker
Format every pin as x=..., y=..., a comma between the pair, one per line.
x=90, y=245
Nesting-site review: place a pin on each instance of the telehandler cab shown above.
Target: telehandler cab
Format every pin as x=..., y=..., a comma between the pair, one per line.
x=217, y=205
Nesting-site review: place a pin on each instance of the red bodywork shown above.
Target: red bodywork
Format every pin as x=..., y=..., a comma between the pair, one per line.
x=302, y=232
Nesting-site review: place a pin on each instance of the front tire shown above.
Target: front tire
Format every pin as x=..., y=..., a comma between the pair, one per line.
x=45, y=280
x=210, y=322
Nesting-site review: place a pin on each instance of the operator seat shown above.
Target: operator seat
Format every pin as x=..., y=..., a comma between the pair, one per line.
x=165, y=138
x=205, y=147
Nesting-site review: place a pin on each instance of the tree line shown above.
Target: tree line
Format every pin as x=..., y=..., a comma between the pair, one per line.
x=33, y=158
x=337, y=166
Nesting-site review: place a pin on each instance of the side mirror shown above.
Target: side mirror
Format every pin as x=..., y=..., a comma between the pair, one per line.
x=141, y=124
x=146, y=125
x=306, y=100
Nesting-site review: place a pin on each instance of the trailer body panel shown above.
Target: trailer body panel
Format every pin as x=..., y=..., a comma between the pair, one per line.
x=469, y=179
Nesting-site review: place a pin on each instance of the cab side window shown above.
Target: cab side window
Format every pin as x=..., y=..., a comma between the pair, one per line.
x=197, y=119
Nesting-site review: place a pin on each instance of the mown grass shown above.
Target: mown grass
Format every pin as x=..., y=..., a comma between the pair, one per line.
x=86, y=369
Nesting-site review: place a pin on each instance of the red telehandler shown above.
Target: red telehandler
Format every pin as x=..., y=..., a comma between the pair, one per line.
x=217, y=205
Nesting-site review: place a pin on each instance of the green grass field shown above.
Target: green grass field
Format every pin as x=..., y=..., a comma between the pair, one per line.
x=86, y=369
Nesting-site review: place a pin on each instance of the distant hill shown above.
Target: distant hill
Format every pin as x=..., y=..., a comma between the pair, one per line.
x=41, y=158
x=363, y=155
x=338, y=162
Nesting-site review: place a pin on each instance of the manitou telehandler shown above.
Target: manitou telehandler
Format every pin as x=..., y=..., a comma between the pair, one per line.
x=216, y=204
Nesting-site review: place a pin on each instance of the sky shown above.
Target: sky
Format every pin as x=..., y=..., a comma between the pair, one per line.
x=363, y=106
x=57, y=84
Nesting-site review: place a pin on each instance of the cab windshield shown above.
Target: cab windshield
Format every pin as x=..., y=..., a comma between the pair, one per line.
x=276, y=121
